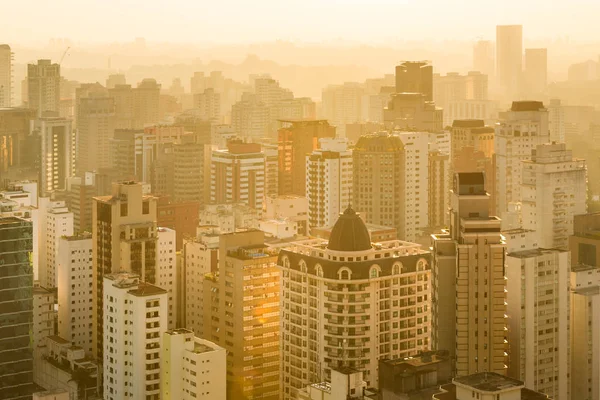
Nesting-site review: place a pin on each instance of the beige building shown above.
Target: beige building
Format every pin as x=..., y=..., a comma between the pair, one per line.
x=509, y=60
x=75, y=290
x=413, y=112
x=328, y=181
x=43, y=87
x=191, y=368
x=124, y=235
x=348, y=303
x=43, y=316
x=57, y=162
x=468, y=282
x=519, y=131
x=538, y=286
x=553, y=190
x=95, y=113
x=238, y=175
x=6, y=79
x=241, y=314
x=135, y=318
x=585, y=307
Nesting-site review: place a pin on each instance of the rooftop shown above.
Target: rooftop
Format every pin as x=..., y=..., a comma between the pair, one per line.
x=349, y=233
x=534, y=252
x=527, y=105
x=468, y=123
x=146, y=289
x=489, y=382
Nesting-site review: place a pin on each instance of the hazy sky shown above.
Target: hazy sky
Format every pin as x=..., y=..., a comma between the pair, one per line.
x=229, y=21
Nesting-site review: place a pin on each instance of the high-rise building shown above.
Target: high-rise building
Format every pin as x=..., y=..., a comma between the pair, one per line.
x=554, y=189
x=145, y=103
x=346, y=303
x=509, y=59
x=209, y=104
x=55, y=221
x=6, y=79
x=585, y=307
x=75, y=291
x=438, y=190
x=43, y=317
x=95, y=113
x=536, y=71
x=483, y=57
x=328, y=181
x=241, y=314
x=518, y=132
x=16, y=314
x=124, y=234
x=452, y=90
x=296, y=139
x=43, y=87
x=182, y=217
x=132, y=154
x=238, y=175
x=391, y=181
x=415, y=77
x=191, y=368
x=250, y=118
x=412, y=112
x=166, y=271
x=199, y=257
x=556, y=121
x=15, y=142
x=114, y=80
x=537, y=281
x=342, y=105
x=135, y=319
x=57, y=151
x=469, y=300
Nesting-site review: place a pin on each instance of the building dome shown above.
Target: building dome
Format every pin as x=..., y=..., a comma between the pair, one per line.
x=349, y=233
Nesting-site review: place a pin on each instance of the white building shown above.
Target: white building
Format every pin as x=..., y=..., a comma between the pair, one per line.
x=328, y=181
x=199, y=259
x=519, y=131
x=166, y=270
x=191, y=368
x=537, y=283
x=74, y=270
x=238, y=175
x=43, y=316
x=346, y=384
x=55, y=221
x=135, y=318
x=342, y=105
x=553, y=190
x=229, y=217
x=416, y=183
x=58, y=153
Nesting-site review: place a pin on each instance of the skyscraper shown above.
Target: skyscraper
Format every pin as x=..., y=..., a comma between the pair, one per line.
x=518, y=132
x=347, y=303
x=6, y=63
x=553, y=191
x=415, y=77
x=238, y=175
x=95, y=113
x=55, y=221
x=537, y=281
x=536, y=71
x=585, y=307
x=483, y=57
x=74, y=267
x=296, y=139
x=135, y=318
x=58, y=153
x=241, y=314
x=16, y=314
x=509, y=59
x=328, y=181
x=43, y=86
x=469, y=301
x=124, y=234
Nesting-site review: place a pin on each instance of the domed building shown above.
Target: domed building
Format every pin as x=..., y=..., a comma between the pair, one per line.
x=348, y=302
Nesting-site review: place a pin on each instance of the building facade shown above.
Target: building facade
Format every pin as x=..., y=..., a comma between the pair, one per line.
x=348, y=303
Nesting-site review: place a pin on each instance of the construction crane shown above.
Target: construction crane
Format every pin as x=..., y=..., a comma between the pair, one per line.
x=63, y=56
